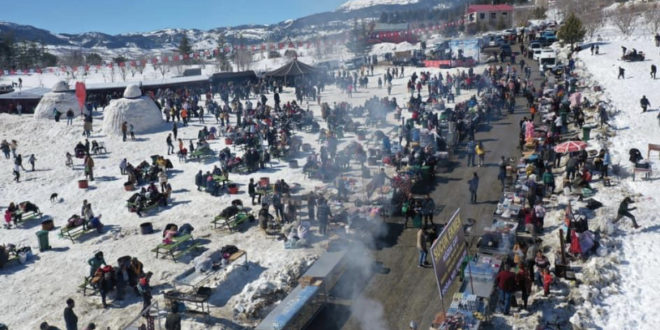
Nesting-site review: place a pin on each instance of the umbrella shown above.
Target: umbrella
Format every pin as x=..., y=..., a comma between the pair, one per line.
x=570, y=146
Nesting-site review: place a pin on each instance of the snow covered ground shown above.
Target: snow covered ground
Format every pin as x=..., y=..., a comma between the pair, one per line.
x=630, y=302
x=36, y=292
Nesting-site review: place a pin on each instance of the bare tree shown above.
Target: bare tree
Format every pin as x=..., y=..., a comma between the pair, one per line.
x=591, y=14
x=623, y=18
x=162, y=68
x=242, y=58
x=652, y=17
x=123, y=71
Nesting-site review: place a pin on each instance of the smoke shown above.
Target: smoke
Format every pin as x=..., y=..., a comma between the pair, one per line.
x=369, y=313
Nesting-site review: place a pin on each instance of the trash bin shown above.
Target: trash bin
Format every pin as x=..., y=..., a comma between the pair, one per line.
x=42, y=236
x=82, y=184
x=47, y=224
x=585, y=133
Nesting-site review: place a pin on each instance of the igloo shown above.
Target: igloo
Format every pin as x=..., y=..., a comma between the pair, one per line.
x=135, y=109
x=59, y=98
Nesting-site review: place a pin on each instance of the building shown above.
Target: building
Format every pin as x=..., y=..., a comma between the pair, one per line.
x=394, y=33
x=490, y=15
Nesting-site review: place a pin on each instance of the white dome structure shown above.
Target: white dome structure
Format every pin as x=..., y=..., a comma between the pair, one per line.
x=134, y=109
x=59, y=98
x=132, y=92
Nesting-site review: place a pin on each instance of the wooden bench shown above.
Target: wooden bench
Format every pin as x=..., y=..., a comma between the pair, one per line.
x=645, y=171
x=87, y=285
x=232, y=223
x=652, y=147
x=73, y=233
x=221, y=179
x=173, y=248
x=30, y=215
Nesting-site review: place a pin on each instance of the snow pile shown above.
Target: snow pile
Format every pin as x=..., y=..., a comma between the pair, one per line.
x=59, y=98
x=259, y=297
x=136, y=110
x=388, y=47
x=132, y=92
x=359, y=4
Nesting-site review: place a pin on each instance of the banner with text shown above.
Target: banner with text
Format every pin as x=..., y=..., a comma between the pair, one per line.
x=447, y=253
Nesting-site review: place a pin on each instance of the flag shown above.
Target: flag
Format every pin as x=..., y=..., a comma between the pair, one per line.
x=81, y=94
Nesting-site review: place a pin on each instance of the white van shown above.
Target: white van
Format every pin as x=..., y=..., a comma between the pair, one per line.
x=538, y=53
x=547, y=61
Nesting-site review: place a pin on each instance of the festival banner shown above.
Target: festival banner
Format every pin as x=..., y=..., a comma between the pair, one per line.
x=447, y=253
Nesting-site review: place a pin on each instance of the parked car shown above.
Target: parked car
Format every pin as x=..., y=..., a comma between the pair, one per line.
x=547, y=61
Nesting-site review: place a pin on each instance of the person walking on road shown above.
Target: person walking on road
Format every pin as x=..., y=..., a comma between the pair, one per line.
x=624, y=211
x=506, y=283
x=471, y=151
x=501, y=175
x=421, y=247
x=473, y=185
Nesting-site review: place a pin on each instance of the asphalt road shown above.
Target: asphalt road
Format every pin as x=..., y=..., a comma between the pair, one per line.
x=392, y=290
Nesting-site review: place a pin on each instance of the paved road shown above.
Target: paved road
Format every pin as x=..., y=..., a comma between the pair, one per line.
x=395, y=290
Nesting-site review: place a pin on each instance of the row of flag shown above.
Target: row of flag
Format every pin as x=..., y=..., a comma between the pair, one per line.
x=164, y=59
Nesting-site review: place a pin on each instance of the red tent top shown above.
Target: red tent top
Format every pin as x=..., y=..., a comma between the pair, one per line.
x=488, y=8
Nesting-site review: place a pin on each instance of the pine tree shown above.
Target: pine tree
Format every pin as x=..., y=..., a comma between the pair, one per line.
x=357, y=43
x=572, y=31
x=184, y=45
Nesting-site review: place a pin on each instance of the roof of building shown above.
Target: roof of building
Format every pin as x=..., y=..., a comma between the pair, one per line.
x=488, y=8
x=382, y=27
x=26, y=94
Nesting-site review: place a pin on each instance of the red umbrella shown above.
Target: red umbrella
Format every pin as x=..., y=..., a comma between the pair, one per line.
x=570, y=146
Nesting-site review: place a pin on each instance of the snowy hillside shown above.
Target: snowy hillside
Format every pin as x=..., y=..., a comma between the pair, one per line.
x=359, y=4
x=627, y=299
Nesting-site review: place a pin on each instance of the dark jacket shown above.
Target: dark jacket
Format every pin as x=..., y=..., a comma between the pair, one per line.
x=173, y=321
x=623, y=207
x=70, y=319
x=474, y=183
x=199, y=179
x=323, y=212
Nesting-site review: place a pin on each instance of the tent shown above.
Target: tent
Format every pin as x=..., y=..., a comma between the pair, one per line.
x=292, y=69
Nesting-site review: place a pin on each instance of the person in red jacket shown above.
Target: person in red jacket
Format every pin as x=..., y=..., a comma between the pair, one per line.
x=547, y=280
x=506, y=283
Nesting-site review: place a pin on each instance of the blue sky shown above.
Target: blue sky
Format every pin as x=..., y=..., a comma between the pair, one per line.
x=121, y=16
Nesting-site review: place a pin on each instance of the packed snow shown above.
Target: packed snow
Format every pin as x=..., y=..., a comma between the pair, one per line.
x=241, y=298
x=60, y=99
x=137, y=111
x=629, y=301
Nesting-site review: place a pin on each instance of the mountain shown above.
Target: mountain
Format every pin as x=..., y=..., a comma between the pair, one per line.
x=315, y=25
x=360, y=4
